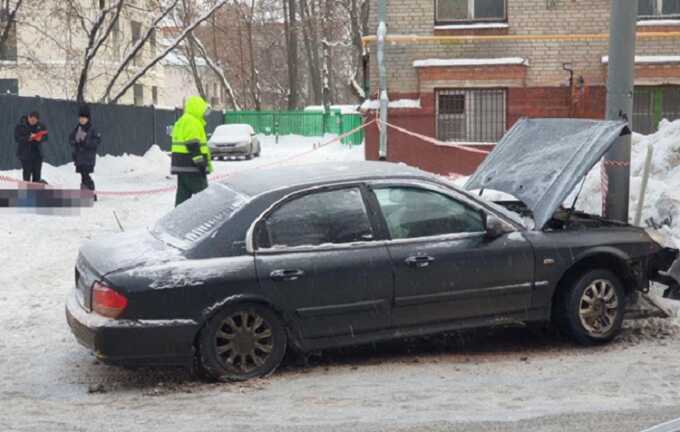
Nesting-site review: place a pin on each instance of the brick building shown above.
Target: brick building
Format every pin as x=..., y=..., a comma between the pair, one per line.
x=472, y=91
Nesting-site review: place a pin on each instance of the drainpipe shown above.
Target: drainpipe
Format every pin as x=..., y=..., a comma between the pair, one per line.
x=620, y=84
x=382, y=71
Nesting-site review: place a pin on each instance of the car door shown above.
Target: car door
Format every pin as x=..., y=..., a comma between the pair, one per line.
x=446, y=266
x=317, y=250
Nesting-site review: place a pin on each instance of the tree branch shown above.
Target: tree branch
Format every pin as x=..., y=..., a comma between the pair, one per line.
x=166, y=51
x=219, y=72
x=136, y=49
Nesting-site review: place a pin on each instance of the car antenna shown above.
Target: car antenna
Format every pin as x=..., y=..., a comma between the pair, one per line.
x=120, y=225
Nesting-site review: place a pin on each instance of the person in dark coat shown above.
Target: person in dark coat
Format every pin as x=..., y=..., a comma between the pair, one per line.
x=30, y=135
x=84, y=142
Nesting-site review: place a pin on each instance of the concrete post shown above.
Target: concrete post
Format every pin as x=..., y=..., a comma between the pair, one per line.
x=620, y=85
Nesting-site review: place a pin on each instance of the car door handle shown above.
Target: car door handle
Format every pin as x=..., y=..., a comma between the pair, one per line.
x=286, y=275
x=419, y=261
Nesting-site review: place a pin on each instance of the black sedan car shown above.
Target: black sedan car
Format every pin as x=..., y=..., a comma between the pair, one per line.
x=338, y=254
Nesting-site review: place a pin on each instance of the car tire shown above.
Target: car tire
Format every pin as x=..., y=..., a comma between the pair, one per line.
x=590, y=307
x=232, y=351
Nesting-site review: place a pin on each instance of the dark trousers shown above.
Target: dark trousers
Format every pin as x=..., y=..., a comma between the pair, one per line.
x=86, y=181
x=188, y=185
x=32, y=169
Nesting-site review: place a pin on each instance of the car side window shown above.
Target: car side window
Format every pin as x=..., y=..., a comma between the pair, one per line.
x=413, y=212
x=329, y=217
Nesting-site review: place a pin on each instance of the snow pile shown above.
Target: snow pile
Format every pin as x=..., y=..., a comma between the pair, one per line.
x=374, y=104
x=154, y=160
x=502, y=61
x=344, y=109
x=662, y=199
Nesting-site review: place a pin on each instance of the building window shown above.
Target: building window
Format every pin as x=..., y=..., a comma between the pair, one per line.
x=652, y=104
x=470, y=10
x=8, y=50
x=102, y=4
x=651, y=9
x=154, y=95
x=115, y=33
x=139, y=94
x=9, y=86
x=152, y=40
x=136, y=31
x=477, y=115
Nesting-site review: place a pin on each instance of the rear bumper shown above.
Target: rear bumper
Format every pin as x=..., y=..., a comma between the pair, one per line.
x=132, y=342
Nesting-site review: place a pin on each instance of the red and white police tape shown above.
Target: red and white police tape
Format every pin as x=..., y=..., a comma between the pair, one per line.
x=339, y=138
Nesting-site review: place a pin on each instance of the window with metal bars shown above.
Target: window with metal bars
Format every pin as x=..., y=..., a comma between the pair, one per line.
x=471, y=115
x=652, y=104
x=651, y=9
x=469, y=10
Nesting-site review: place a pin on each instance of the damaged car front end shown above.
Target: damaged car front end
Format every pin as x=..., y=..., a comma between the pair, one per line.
x=541, y=162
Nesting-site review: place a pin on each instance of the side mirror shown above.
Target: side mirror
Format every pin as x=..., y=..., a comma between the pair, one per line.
x=495, y=227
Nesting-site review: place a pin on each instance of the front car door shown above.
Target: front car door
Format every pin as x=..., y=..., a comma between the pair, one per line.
x=317, y=249
x=446, y=266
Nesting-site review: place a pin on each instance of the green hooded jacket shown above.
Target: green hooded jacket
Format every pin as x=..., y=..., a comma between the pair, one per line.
x=190, y=152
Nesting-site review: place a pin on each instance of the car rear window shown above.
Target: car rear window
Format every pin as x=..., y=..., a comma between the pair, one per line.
x=199, y=216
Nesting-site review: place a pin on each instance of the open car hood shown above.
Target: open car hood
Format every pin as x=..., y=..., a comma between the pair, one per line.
x=540, y=161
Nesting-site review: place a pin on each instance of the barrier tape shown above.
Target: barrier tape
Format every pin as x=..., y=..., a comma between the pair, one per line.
x=435, y=141
x=617, y=164
x=7, y=179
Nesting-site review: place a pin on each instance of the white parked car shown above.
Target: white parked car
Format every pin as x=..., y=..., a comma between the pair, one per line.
x=234, y=140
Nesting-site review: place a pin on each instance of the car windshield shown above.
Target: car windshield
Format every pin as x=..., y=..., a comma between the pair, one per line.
x=200, y=216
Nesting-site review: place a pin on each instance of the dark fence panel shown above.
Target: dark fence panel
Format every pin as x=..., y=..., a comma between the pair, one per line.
x=124, y=128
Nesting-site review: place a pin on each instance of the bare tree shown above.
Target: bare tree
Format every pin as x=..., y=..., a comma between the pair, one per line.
x=312, y=43
x=171, y=46
x=218, y=70
x=136, y=49
x=97, y=31
x=290, y=29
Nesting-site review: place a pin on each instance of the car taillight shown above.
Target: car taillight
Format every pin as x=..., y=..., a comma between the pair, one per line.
x=106, y=301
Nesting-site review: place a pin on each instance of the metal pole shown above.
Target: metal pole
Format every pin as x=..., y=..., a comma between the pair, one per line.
x=382, y=71
x=643, y=185
x=620, y=83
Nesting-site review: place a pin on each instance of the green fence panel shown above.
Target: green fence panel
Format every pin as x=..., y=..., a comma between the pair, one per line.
x=305, y=123
x=350, y=122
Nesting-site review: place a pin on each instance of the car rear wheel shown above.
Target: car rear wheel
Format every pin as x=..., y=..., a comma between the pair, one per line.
x=241, y=342
x=590, y=307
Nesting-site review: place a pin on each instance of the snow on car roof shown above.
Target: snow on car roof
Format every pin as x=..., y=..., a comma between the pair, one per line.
x=270, y=179
x=233, y=130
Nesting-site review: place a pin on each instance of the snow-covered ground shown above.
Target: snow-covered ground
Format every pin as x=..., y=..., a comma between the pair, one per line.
x=48, y=382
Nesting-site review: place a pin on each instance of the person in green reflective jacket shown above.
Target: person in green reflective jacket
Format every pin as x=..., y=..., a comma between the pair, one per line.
x=191, y=160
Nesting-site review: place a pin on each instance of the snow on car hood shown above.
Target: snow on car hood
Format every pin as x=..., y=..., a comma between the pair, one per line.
x=540, y=161
x=233, y=133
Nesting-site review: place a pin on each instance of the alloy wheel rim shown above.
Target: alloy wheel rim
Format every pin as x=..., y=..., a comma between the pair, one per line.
x=244, y=341
x=598, y=307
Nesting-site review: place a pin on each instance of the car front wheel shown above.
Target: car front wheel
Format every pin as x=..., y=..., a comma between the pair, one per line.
x=241, y=342
x=590, y=307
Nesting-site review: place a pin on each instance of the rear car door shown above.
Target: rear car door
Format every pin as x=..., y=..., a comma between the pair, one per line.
x=446, y=267
x=317, y=250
